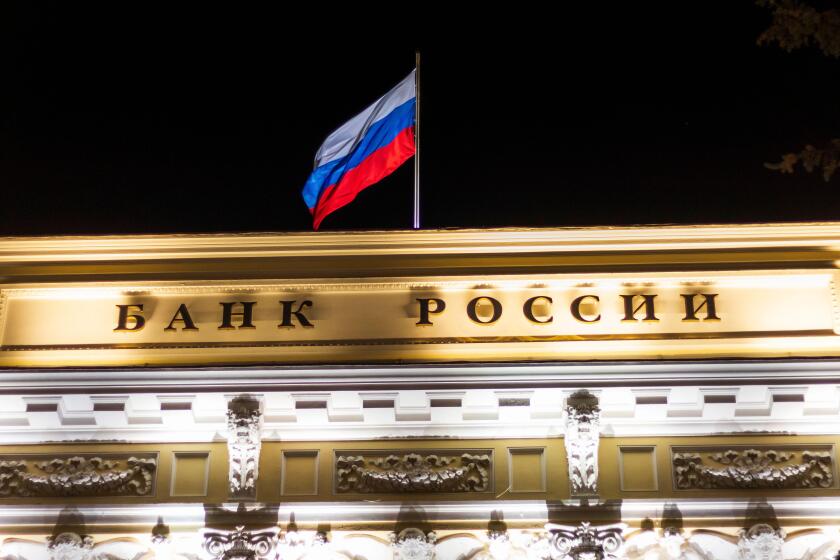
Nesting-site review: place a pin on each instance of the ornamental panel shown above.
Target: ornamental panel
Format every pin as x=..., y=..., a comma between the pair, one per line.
x=753, y=467
x=413, y=471
x=80, y=474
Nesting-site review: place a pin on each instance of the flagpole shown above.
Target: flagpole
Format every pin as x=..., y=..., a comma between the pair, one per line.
x=417, y=140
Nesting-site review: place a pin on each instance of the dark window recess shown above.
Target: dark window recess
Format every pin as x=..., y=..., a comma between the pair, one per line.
x=514, y=402
x=41, y=407
x=311, y=404
x=176, y=406
x=440, y=403
x=788, y=398
x=718, y=399
x=108, y=407
x=378, y=404
x=655, y=399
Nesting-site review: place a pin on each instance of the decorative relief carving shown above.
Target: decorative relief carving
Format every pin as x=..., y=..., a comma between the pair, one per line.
x=442, y=471
x=753, y=468
x=78, y=475
x=70, y=546
x=240, y=544
x=585, y=542
x=244, y=443
x=761, y=542
x=583, y=430
x=413, y=544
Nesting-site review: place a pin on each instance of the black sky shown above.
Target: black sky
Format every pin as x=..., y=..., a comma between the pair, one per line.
x=146, y=120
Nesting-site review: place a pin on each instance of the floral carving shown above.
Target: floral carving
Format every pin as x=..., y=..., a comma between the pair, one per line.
x=583, y=431
x=414, y=472
x=754, y=468
x=78, y=476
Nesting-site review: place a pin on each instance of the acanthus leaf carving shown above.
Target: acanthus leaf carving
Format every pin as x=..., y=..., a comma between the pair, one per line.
x=754, y=468
x=78, y=476
x=414, y=472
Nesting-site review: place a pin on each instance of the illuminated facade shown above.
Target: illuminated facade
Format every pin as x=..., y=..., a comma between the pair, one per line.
x=640, y=393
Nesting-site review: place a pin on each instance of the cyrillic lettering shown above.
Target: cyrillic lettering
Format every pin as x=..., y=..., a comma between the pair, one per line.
x=182, y=315
x=137, y=321
x=528, y=309
x=228, y=313
x=473, y=305
x=286, y=321
x=708, y=303
x=426, y=309
x=647, y=303
x=577, y=302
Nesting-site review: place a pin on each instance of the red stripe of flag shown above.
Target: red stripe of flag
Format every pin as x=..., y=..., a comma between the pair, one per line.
x=375, y=167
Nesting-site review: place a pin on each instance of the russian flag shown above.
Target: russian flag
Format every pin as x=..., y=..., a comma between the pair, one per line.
x=363, y=151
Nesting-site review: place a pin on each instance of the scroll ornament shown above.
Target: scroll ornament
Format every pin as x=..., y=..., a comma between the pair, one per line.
x=413, y=472
x=78, y=476
x=753, y=468
x=240, y=544
x=586, y=542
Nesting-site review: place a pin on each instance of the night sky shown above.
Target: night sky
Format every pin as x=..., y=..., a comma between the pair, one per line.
x=145, y=120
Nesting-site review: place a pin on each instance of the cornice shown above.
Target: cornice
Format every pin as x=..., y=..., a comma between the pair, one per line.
x=418, y=253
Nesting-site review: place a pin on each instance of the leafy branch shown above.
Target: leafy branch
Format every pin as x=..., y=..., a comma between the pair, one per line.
x=811, y=158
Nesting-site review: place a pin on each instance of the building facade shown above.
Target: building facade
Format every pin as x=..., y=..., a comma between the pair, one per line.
x=603, y=393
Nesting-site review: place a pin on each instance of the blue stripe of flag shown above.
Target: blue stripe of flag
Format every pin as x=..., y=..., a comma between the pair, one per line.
x=380, y=134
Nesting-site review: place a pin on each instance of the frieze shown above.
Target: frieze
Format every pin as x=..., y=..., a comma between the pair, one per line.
x=404, y=471
x=745, y=467
x=83, y=474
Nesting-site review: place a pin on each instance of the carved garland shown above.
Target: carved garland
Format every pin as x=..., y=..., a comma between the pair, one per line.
x=78, y=476
x=752, y=468
x=413, y=472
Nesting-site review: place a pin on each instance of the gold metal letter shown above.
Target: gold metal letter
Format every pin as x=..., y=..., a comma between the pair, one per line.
x=247, y=315
x=473, y=304
x=630, y=311
x=576, y=303
x=426, y=310
x=137, y=321
x=182, y=316
x=287, y=314
x=708, y=303
x=528, y=309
